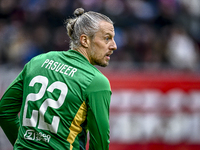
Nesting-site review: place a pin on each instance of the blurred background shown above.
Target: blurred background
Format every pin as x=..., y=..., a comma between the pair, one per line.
x=154, y=74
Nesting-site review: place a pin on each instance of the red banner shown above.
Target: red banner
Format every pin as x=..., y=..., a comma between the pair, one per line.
x=155, y=110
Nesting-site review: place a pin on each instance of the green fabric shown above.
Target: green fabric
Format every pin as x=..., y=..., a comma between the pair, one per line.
x=9, y=107
x=61, y=97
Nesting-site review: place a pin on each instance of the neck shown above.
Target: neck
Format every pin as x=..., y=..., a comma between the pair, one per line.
x=83, y=51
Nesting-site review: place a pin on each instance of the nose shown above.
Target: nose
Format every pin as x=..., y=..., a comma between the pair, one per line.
x=113, y=45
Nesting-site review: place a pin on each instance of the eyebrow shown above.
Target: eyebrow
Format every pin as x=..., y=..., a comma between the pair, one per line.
x=112, y=35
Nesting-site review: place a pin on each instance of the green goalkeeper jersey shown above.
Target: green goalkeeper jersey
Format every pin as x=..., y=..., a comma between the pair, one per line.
x=60, y=96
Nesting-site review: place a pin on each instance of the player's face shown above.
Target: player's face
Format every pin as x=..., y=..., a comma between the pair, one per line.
x=102, y=45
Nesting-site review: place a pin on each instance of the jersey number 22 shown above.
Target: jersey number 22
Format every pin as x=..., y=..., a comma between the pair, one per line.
x=32, y=122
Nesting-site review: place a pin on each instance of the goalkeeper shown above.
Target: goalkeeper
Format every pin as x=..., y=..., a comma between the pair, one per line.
x=61, y=95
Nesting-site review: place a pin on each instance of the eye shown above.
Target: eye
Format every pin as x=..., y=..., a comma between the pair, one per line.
x=107, y=38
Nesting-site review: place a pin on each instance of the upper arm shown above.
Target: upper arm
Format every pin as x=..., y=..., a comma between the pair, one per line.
x=10, y=103
x=11, y=100
x=98, y=100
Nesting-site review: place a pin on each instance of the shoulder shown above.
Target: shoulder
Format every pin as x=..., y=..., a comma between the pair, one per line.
x=99, y=83
x=44, y=55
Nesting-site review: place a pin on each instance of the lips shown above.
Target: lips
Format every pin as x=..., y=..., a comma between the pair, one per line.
x=108, y=54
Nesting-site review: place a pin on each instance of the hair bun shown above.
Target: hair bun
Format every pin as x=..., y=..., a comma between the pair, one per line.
x=78, y=12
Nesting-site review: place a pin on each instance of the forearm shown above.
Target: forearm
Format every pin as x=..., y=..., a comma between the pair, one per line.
x=9, y=120
x=98, y=120
x=10, y=128
x=99, y=135
x=10, y=105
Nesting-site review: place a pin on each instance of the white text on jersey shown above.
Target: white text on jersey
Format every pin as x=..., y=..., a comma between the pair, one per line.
x=58, y=67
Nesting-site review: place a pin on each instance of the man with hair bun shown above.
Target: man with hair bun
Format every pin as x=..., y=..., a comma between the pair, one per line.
x=61, y=95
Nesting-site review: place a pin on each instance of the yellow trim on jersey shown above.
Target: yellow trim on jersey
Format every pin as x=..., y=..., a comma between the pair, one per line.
x=75, y=127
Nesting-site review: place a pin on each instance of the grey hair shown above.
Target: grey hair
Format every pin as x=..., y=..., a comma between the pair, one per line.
x=83, y=23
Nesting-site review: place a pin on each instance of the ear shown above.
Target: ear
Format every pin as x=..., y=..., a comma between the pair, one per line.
x=84, y=39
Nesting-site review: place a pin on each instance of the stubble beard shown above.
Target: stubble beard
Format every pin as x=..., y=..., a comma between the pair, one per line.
x=99, y=61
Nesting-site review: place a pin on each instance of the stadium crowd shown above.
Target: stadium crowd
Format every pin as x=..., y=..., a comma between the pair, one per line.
x=150, y=34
